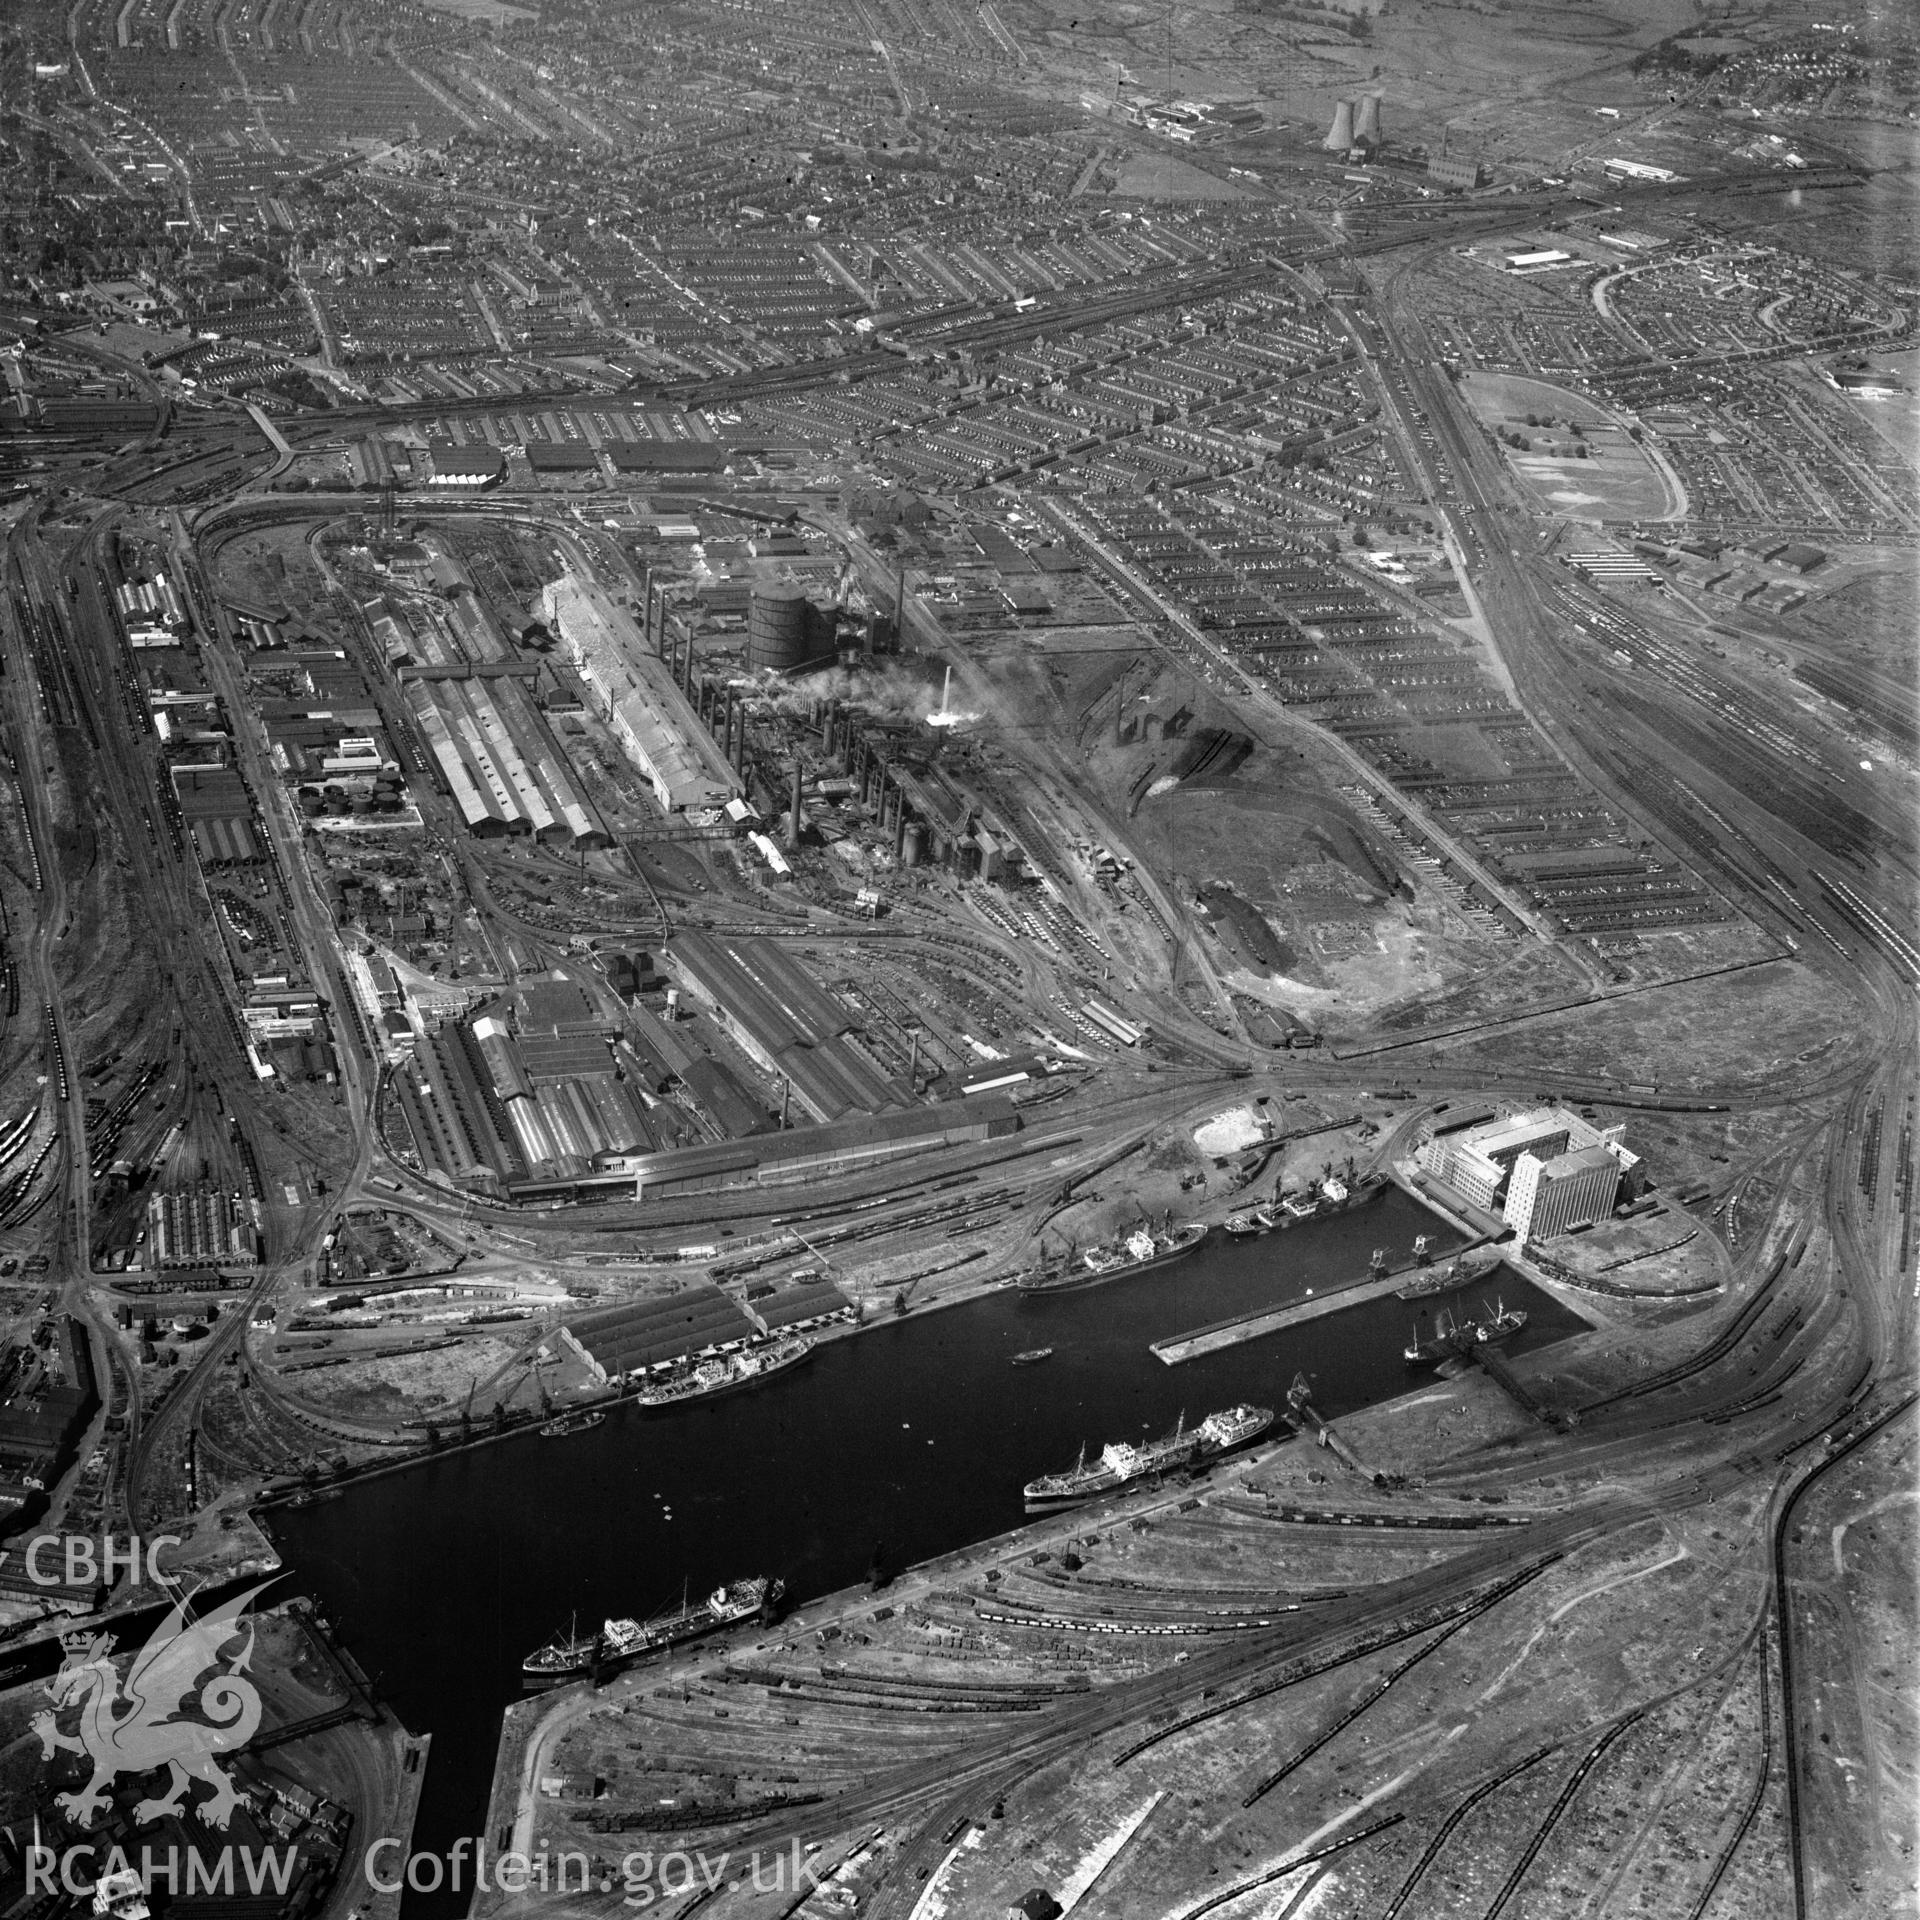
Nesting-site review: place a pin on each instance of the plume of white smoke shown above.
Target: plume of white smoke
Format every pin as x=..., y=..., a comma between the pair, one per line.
x=887, y=690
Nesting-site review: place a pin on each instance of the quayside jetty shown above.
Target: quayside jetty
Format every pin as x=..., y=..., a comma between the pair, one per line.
x=1217, y=1335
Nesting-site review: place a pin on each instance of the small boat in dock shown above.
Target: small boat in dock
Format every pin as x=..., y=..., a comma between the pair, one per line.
x=1501, y=1324
x=583, y=1422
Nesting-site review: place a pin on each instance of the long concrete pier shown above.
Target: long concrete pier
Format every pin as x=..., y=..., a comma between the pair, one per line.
x=1250, y=1326
x=1313, y=1306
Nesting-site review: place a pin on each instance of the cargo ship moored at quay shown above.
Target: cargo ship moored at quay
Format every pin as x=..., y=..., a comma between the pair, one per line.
x=1452, y=1337
x=1122, y=1463
x=1140, y=1251
x=724, y=1373
x=621, y=1641
x=1325, y=1196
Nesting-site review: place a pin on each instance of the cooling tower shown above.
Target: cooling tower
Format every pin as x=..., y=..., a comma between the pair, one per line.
x=1341, y=136
x=1366, y=128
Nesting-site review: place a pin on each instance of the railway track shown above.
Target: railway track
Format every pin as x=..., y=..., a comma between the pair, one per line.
x=1544, y=1831
x=1451, y=1824
x=1762, y=1774
x=1783, y=1609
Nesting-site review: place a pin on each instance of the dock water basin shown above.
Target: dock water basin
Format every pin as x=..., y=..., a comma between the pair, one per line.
x=909, y=1440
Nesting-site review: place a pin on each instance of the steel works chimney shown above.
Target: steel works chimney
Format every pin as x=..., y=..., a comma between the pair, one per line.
x=793, y=818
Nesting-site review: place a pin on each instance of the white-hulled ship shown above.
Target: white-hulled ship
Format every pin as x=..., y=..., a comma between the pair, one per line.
x=1123, y=1462
x=724, y=1372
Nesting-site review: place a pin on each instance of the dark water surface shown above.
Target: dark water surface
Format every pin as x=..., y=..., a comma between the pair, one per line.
x=917, y=1435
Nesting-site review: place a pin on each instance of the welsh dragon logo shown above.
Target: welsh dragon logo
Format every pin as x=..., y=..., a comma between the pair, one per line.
x=141, y=1723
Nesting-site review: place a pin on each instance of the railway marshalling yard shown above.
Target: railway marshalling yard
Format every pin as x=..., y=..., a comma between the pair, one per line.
x=729, y=768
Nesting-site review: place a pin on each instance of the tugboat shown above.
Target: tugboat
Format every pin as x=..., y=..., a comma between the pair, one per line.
x=566, y=1653
x=1122, y=1462
x=583, y=1422
x=1449, y=1337
x=1033, y=1356
x=1145, y=1248
x=1502, y=1324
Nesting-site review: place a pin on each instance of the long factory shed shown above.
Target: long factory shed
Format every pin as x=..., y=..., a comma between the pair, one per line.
x=796, y=1155
x=789, y=1023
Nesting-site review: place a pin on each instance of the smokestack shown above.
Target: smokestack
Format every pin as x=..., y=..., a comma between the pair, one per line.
x=847, y=745
x=946, y=692
x=1340, y=136
x=899, y=830
x=740, y=745
x=793, y=819
x=1366, y=126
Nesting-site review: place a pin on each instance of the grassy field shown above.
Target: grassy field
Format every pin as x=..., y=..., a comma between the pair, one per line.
x=1615, y=482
